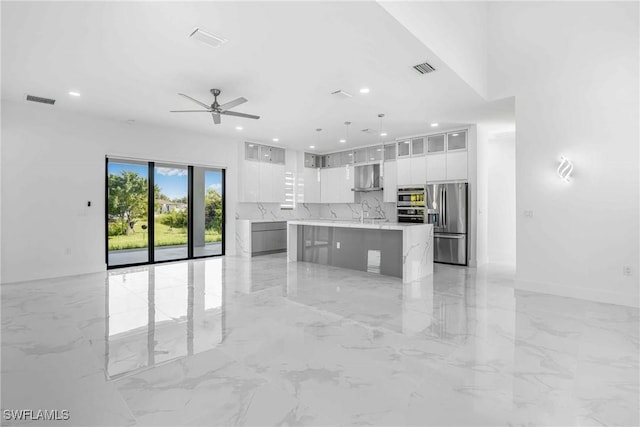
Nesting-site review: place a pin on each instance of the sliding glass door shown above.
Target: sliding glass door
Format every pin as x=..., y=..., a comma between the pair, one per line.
x=171, y=212
x=127, y=213
x=162, y=212
x=207, y=211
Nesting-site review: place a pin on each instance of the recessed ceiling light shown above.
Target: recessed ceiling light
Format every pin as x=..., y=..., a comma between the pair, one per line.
x=434, y=125
x=275, y=140
x=379, y=149
x=72, y=93
x=312, y=146
x=383, y=134
x=342, y=141
x=239, y=128
x=364, y=90
x=250, y=145
x=207, y=37
x=406, y=142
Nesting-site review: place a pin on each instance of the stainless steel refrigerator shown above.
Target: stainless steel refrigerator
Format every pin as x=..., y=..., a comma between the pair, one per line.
x=447, y=210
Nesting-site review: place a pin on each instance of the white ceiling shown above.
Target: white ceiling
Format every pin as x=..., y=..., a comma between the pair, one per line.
x=129, y=61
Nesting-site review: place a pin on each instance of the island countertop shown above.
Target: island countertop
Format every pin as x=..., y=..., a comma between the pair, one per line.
x=371, y=224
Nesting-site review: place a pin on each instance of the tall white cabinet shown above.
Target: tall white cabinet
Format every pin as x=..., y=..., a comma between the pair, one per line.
x=447, y=157
x=262, y=174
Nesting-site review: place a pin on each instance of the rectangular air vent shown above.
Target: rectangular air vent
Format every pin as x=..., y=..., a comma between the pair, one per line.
x=41, y=100
x=369, y=131
x=342, y=93
x=424, y=68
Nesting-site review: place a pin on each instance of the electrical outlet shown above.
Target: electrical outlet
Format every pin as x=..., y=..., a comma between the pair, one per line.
x=528, y=214
x=626, y=270
x=337, y=245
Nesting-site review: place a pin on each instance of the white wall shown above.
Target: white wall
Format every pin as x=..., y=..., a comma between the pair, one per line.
x=573, y=68
x=455, y=31
x=501, y=199
x=53, y=162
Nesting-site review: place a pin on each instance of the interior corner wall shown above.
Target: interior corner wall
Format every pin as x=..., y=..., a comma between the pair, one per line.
x=573, y=67
x=53, y=162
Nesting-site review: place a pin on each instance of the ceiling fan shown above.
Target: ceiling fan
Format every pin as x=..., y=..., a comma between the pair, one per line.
x=216, y=109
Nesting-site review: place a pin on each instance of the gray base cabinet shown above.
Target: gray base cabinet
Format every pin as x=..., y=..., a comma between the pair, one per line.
x=268, y=238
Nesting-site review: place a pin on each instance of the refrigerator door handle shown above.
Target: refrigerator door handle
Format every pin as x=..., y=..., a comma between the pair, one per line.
x=444, y=207
x=449, y=236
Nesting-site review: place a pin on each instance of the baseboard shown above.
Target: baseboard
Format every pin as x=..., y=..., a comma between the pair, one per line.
x=594, y=295
x=101, y=268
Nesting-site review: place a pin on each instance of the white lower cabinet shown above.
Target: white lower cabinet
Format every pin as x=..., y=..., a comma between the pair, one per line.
x=457, y=165
x=436, y=167
x=389, y=182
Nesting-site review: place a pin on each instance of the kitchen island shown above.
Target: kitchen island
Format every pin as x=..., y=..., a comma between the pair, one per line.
x=395, y=249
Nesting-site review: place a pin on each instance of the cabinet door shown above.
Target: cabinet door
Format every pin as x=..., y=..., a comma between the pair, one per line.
x=418, y=171
x=404, y=149
x=457, y=141
x=417, y=147
x=389, y=182
x=457, y=165
x=345, y=183
x=435, y=144
x=325, y=186
x=404, y=171
x=250, y=181
x=389, y=152
x=437, y=167
x=265, y=194
x=251, y=151
x=311, y=186
x=277, y=183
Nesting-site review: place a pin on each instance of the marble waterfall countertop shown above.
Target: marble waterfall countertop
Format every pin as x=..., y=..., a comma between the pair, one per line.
x=368, y=223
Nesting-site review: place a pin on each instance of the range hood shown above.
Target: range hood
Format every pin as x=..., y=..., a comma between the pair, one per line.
x=367, y=178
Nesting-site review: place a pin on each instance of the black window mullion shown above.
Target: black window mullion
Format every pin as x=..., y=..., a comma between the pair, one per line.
x=190, y=213
x=151, y=226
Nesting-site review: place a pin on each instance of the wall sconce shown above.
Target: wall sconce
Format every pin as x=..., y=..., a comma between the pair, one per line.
x=565, y=168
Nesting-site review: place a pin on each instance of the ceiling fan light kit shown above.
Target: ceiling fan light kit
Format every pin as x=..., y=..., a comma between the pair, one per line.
x=217, y=109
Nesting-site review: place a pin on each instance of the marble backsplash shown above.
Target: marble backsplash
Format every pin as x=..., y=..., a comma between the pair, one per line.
x=371, y=203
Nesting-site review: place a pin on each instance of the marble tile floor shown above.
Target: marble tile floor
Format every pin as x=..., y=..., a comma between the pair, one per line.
x=235, y=341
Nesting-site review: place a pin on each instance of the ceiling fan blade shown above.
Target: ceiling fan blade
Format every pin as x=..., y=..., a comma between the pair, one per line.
x=202, y=104
x=216, y=118
x=233, y=113
x=229, y=105
x=190, y=111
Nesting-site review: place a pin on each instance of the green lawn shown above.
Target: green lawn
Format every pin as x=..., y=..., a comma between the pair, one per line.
x=165, y=236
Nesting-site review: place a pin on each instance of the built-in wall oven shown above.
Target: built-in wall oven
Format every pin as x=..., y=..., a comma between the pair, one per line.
x=410, y=204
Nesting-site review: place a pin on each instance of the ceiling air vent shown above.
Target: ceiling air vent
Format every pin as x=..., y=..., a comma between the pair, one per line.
x=424, y=68
x=41, y=100
x=342, y=94
x=369, y=130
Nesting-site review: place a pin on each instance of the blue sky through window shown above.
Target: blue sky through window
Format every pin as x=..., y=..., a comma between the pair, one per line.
x=173, y=182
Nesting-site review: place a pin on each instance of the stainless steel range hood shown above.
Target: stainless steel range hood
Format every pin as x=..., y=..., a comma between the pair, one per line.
x=367, y=178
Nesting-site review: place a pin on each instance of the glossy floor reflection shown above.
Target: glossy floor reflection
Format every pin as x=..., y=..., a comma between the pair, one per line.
x=231, y=341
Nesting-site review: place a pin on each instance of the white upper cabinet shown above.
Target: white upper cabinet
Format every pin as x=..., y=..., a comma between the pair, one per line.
x=404, y=148
x=389, y=181
x=336, y=185
x=447, y=157
x=262, y=174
